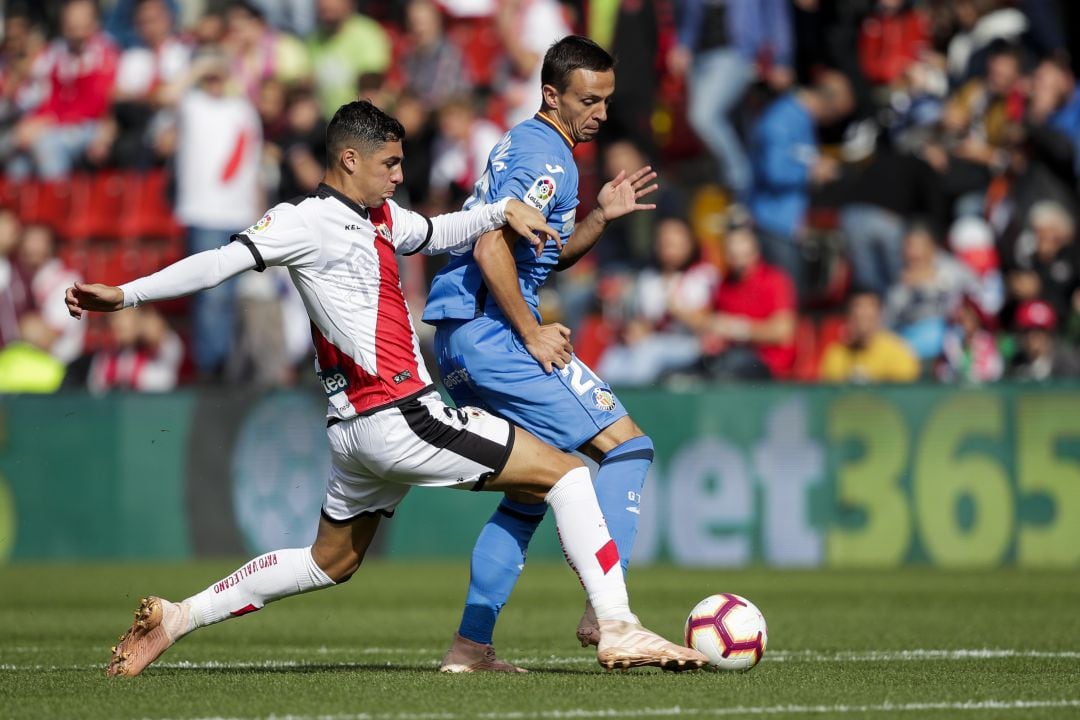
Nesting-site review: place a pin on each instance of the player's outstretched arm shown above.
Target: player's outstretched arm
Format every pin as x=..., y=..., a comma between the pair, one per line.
x=617, y=198
x=184, y=277
x=457, y=230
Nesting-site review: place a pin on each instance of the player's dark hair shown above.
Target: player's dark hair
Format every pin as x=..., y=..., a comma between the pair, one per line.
x=573, y=53
x=362, y=126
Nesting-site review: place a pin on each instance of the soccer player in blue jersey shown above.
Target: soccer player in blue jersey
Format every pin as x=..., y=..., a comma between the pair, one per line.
x=494, y=351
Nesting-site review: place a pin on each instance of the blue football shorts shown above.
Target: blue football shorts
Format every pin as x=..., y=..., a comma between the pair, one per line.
x=484, y=364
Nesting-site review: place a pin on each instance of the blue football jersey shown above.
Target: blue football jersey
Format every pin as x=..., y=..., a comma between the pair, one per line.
x=533, y=163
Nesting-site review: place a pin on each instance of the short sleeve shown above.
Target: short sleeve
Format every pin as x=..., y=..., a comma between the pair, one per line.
x=411, y=230
x=281, y=237
x=541, y=181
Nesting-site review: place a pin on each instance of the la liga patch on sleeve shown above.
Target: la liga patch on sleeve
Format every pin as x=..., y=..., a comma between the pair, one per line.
x=263, y=224
x=541, y=192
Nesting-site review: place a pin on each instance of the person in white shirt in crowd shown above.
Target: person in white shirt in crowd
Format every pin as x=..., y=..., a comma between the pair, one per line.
x=218, y=190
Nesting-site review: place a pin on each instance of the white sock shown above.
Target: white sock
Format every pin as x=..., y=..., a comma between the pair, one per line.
x=267, y=578
x=587, y=545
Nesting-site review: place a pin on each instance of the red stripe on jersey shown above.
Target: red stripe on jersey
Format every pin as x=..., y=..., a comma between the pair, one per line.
x=364, y=387
x=397, y=367
x=395, y=350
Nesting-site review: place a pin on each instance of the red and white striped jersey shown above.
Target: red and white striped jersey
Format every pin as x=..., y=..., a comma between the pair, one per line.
x=341, y=257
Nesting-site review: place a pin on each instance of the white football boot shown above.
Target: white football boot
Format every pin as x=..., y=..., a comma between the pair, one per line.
x=627, y=644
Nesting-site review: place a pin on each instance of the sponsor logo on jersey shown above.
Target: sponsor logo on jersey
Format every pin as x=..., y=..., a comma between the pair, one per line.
x=541, y=192
x=402, y=377
x=383, y=231
x=455, y=378
x=554, y=169
x=334, y=381
x=262, y=225
x=603, y=399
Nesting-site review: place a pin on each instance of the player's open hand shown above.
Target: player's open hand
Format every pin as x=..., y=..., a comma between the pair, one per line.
x=550, y=345
x=620, y=196
x=530, y=224
x=81, y=297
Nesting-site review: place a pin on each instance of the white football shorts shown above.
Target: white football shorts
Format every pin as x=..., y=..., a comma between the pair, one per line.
x=376, y=458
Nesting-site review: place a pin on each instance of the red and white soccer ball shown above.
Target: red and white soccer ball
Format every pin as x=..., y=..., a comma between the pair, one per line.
x=729, y=630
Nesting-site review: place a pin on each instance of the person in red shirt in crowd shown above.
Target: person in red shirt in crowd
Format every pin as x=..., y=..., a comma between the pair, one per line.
x=890, y=39
x=749, y=333
x=78, y=71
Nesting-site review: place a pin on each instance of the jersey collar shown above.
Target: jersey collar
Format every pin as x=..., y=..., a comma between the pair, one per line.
x=551, y=123
x=325, y=190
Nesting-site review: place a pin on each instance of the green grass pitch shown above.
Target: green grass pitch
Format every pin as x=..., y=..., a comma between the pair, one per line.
x=903, y=644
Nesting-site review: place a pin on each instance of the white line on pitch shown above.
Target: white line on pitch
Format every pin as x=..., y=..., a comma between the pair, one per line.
x=786, y=656
x=678, y=711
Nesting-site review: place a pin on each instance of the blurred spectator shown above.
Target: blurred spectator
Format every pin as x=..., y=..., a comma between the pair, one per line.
x=26, y=366
x=142, y=354
x=345, y=46
x=639, y=35
x=14, y=295
x=217, y=175
x=292, y=16
x=1055, y=103
x=749, y=331
x=259, y=52
x=460, y=151
x=628, y=242
x=891, y=39
x=79, y=69
x=868, y=353
x=47, y=277
x=653, y=342
x=1040, y=355
x=978, y=24
x=121, y=24
x=970, y=351
x=978, y=120
x=433, y=65
x=267, y=349
x=527, y=29
x=148, y=84
x=787, y=162
x=302, y=145
x=722, y=47
x=876, y=197
x=1046, y=265
x=931, y=286
x=418, y=141
x=19, y=93
x=971, y=240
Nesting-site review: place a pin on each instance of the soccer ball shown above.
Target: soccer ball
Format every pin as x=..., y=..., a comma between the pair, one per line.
x=729, y=630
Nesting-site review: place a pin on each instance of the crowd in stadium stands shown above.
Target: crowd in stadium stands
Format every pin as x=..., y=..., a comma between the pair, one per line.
x=852, y=191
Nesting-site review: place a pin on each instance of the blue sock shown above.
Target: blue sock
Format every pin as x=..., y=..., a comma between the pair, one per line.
x=497, y=560
x=618, y=490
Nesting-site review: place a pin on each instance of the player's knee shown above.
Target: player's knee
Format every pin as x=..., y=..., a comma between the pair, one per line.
x=339, y=563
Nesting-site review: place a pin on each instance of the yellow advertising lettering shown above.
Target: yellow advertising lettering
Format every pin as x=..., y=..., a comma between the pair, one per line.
x=870, y=484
